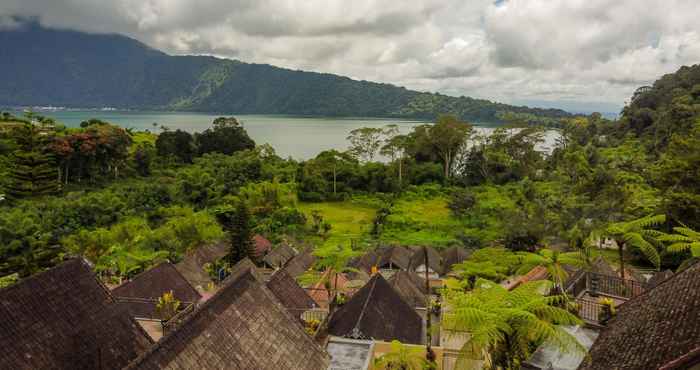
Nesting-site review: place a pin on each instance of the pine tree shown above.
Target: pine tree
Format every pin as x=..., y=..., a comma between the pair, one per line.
x=33, y=171
x=236, y=223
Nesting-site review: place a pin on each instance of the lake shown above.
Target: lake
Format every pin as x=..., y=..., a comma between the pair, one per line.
x=291, y=136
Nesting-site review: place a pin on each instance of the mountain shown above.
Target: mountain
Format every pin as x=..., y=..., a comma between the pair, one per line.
x=41, y=67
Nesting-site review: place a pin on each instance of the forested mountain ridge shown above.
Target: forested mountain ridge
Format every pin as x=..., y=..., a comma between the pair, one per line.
x=42, y=67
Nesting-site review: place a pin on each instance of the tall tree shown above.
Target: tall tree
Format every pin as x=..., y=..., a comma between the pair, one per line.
x=227, y=136
x=178, y=143
x=235, y=221
x=33, y=171
x=395, y=146
x=365, y=142
x=639, y=235
x=445, y=139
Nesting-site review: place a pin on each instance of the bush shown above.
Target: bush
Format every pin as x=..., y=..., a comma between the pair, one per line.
x=461, y=202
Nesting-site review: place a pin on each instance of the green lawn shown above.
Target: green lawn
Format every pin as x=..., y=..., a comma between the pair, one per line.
x=416, y=221
x=349, y=220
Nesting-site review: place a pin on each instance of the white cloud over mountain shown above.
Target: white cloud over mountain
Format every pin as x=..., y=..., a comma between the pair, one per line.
x=563, y=52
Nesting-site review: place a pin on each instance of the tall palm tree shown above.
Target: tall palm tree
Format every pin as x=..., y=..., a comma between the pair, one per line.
x=402, y=357
x=505, y=325
x=553, y=261
x=685, y=239
x=637, y=234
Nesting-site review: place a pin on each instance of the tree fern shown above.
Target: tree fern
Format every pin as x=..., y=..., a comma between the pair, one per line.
x=684, y=239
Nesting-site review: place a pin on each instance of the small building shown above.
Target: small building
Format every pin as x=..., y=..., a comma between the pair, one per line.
x=300, y=263
x=452, y=256
x=411, y=287
x=657, y=329
x=434, y=265
x=350, y=354
x=365, y=262
x=293, y=297
x=65, y=318
x=392, y=259
x=261, y=247
x=336, y=281
x=243, y=326
x=192, y=265
x=377, y=312
x=278, y=257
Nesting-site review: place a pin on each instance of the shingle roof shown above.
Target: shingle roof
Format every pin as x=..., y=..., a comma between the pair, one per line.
x=410, y=286
x=289, y=293
x=658, y=278
x=365, y=262
x=192, y=265
x=434, y=259
x=320, y=294
x=377, y=311
x=453, y=256
x=652, y=329
x=64, y=318
x=397, y=256
x=299, y=264
x=150, y=285
x=279, y=256
x=243, y=326
x=601, y=266
x=262, y=246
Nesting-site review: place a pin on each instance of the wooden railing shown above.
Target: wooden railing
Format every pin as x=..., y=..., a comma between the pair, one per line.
x=589, y=310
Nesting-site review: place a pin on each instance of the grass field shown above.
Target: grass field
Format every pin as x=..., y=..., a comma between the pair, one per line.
x=421, y=221
x=349, y=220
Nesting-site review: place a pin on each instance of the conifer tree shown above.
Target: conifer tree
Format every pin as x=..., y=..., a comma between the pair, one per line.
x=33, y=171
x=236, y=223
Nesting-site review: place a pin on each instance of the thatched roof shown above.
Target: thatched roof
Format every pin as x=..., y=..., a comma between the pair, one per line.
x=192, y=265
x=300, y=264
x=397, y=257
x=243, y=326
x=411, y=287
x=653, y=329
x=377, y=311
x=65, y=318
x=434, y=259
x=452, y=256
x=289, y=293
x=150, y=285
x=279, y=256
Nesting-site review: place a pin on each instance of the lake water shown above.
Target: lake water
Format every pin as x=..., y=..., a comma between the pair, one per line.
x=291, y=136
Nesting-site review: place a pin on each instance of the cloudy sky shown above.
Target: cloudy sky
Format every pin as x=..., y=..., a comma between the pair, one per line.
x=575, y=54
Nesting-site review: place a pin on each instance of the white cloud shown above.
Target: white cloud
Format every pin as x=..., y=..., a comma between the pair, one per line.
x=584, y=51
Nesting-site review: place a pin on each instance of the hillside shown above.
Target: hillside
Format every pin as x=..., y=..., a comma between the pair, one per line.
x=41, y=67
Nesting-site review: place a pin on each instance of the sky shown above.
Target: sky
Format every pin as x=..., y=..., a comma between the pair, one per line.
x=580, y=55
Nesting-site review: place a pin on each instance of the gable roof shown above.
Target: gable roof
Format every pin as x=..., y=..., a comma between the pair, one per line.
x=150, y=285
x=377, y=311
x=279, y=256
x=320, y=294
x=365, y=262
x=434, y=259
x=289, y=293
x=65, y=318
x=397, y=256
x=452, y=256
x=299, y=264
x=652, y=329
x=262, y=246
x=192, y=265
x=601, y=266
x=243, y=326
x=410, y=286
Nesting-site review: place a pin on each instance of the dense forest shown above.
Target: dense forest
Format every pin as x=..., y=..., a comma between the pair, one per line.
x=126, y=200
x=94, y=71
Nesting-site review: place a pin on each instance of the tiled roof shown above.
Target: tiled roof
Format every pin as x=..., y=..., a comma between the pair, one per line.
x=411, y=287
x=658, y=278
x=150, y=285
x=279, y=256
x=289, y=293
x=64, y=318
x=262, y=246
x=377, y=311
x=192, y=265
x=652, y=329
x=243, y=326
x=434, y=259
x=320, y=294
x=299, y=264
x=452, y=256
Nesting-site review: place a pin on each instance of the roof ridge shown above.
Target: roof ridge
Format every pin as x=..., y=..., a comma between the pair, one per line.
x=364, y=306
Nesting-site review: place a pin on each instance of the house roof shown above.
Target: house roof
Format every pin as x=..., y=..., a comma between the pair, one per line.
x=434, y=259
x=299, y=264
x=452, y=256
x=192, y=265
x=658, y=278
x=279, y=256
x=289, y=293
x=398, y=256
x=262, y=245
x=652, y=329
x=150, y=285
x=243, y=326
x=65, y=318
x=365, y=262
x=538, y=272
x=601, y=266
x=320, y=294
x=377, y=311
x=410, y=286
